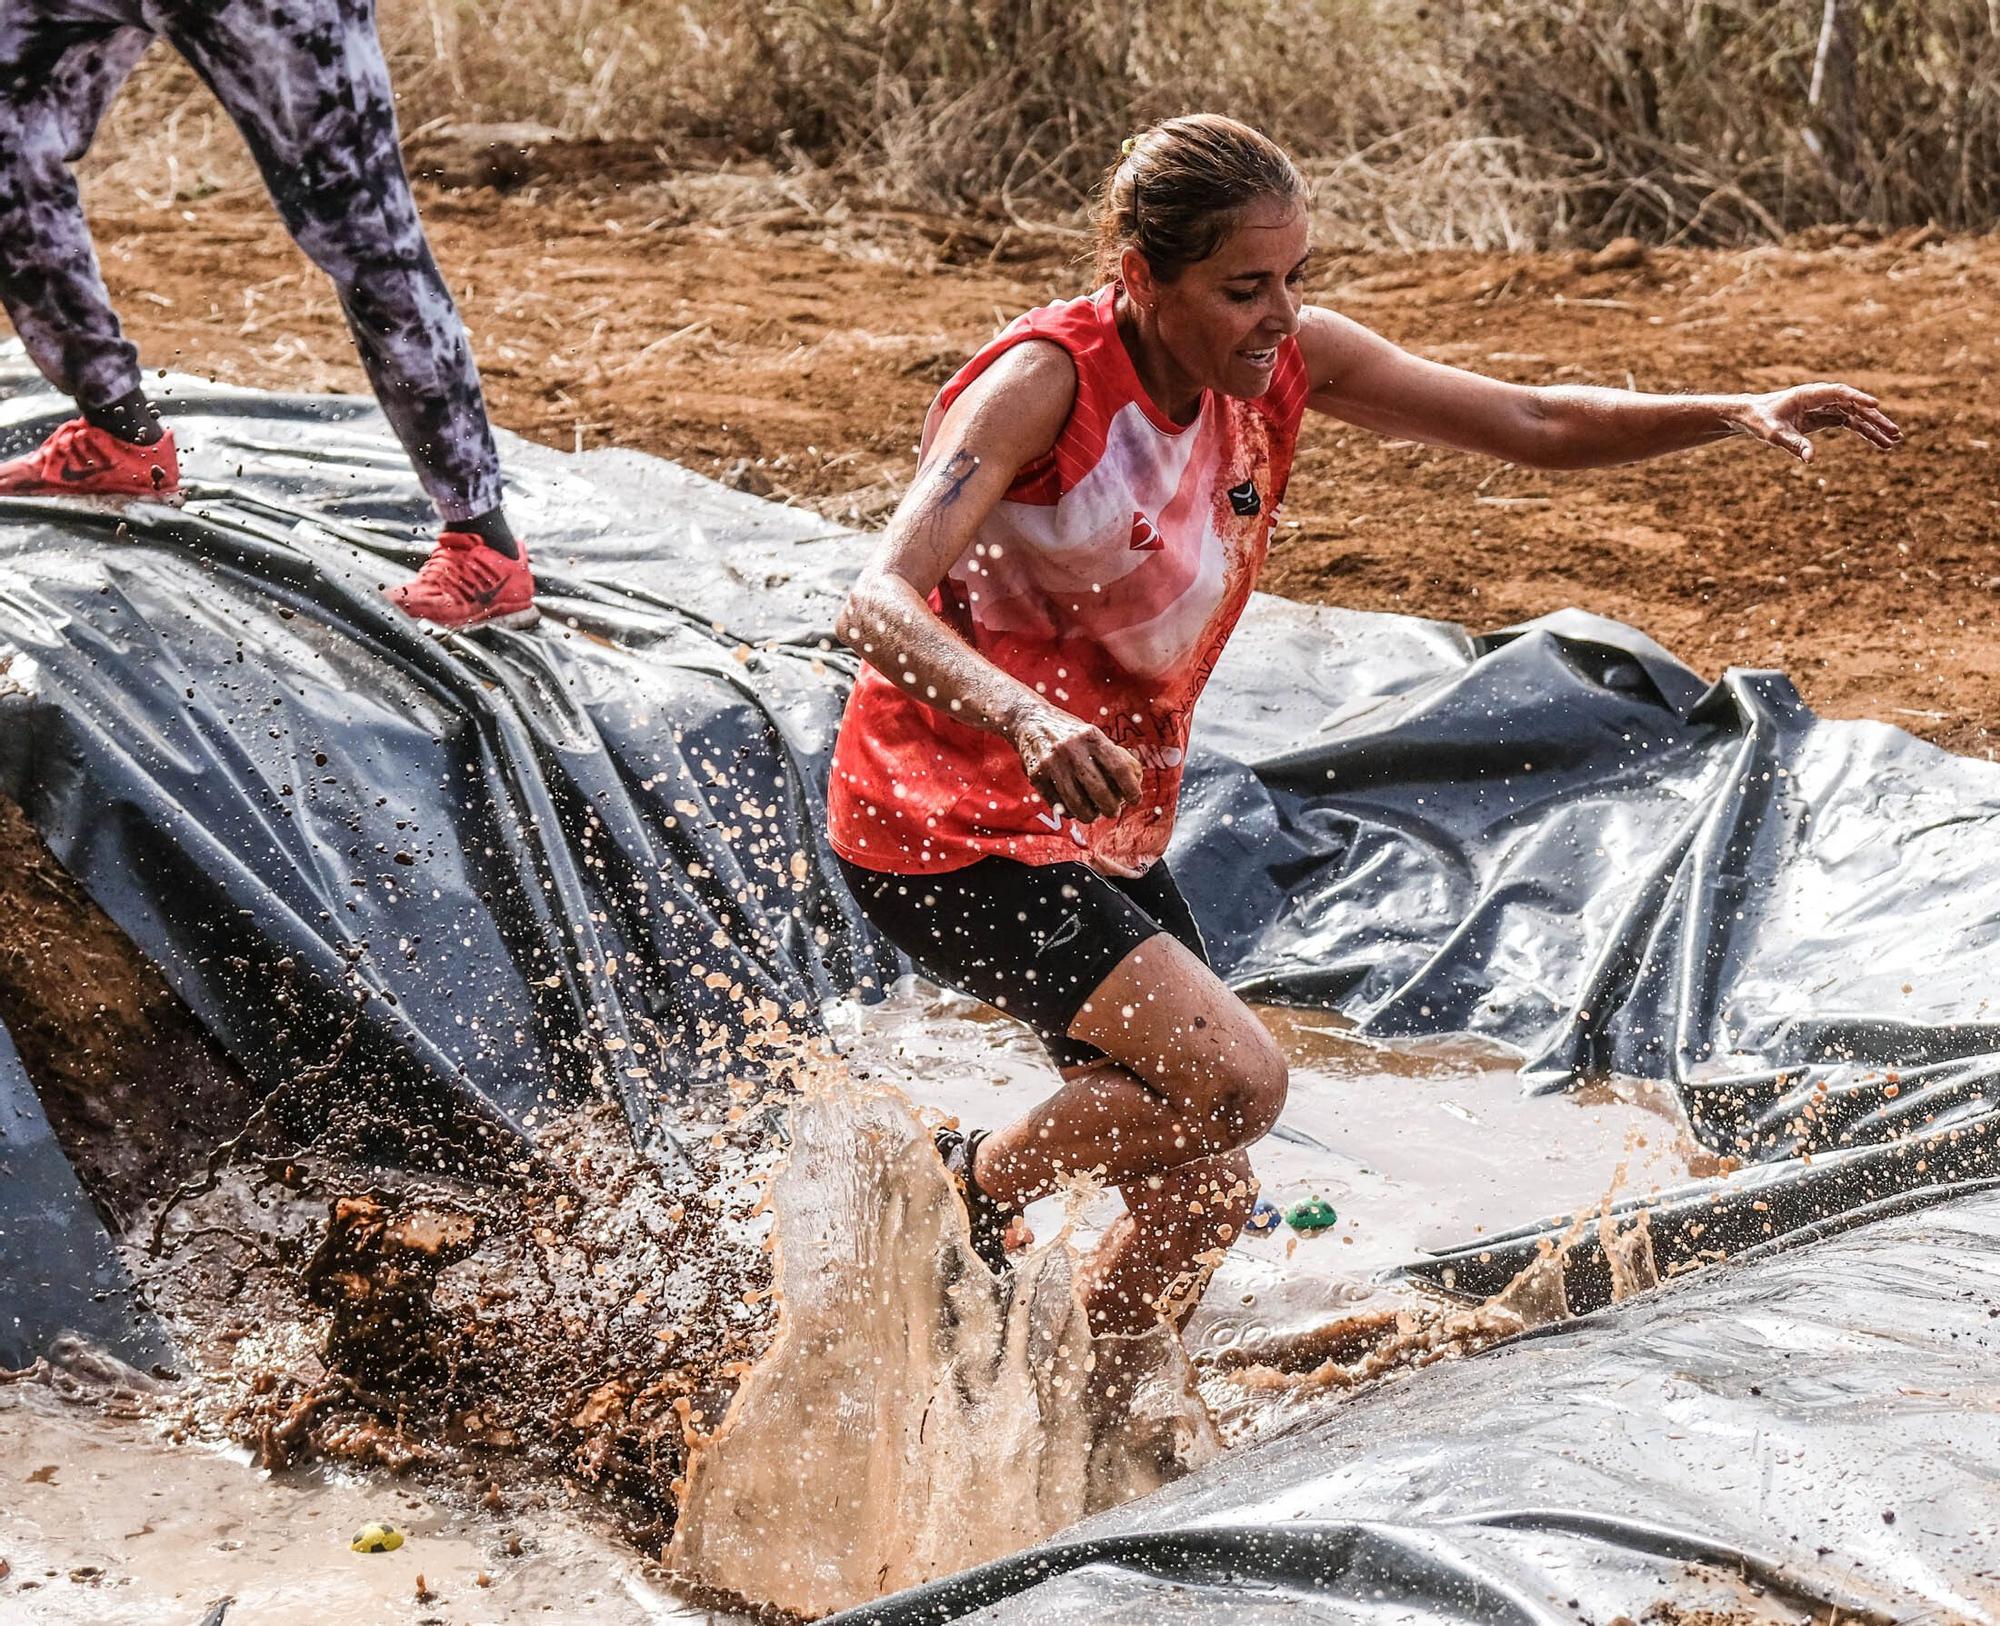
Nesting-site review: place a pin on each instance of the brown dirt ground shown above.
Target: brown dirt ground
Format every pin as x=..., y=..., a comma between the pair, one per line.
x=793, y=353
x=130, y=1082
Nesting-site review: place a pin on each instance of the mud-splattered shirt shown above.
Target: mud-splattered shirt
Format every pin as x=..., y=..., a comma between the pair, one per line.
x=1108, y=578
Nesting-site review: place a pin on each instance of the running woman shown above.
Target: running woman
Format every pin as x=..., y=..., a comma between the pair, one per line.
x=1097, y=490
x=305, y=82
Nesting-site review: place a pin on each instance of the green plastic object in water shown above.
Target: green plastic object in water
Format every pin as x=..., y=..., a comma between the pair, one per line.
x=1312, y=1216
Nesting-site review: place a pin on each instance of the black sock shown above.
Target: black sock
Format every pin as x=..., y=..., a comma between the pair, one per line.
x=131, y=418
x=492, y=529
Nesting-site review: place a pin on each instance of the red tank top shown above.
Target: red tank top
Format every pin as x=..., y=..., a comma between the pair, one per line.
x=1108, y=578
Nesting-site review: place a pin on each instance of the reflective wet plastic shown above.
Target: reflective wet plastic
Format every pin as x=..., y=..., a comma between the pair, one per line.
x=1552, y=837
x=1810, y=1435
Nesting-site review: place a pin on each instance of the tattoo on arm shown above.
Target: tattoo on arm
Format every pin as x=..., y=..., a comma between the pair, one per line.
x=951, y=476
x=946, y=484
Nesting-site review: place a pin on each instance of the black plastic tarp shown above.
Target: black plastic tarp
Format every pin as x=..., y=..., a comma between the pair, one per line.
x=1806, y=1435
x=537, y=864
x=528, y=862
x=1558, y=838
x=60, y=1271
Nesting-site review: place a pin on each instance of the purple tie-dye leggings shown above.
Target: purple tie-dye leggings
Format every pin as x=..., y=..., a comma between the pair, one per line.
x=305, y=82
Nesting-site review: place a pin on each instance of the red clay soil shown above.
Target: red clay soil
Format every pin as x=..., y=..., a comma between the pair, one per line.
x=795, y=357
x=130, y=1083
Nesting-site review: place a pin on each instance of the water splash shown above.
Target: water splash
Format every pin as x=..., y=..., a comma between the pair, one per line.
x=1267, y=1385
x=914, y=1415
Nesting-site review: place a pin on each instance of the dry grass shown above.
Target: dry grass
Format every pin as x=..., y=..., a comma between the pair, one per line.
x=1483, y=123
x=1732, y=119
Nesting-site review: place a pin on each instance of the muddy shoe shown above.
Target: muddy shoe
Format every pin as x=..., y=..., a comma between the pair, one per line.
x=81, y=460
x=990, y=1221
x=464, y=583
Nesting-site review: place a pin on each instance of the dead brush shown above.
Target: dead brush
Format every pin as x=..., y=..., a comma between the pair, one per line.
x=1724, y=120
x=1479, y=123
x=925, y=103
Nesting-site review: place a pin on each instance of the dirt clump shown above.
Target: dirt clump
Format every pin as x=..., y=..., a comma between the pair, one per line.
x=331, y=1308
x=581, y=1325
x=376, y=1271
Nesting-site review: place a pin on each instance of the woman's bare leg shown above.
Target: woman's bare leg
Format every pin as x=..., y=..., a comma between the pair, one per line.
x=1192, y=1077
x=1155, y=1261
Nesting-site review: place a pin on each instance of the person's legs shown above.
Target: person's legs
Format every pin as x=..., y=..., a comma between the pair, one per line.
x=61, y=61
x=1167, y=1074
x=60, y=65
x=1189, y=1073
x=1190, y=1078
x=305, y=82
x=1154, y=1261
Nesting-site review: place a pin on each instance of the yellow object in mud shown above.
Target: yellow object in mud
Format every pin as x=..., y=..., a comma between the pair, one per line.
x=377, y=1538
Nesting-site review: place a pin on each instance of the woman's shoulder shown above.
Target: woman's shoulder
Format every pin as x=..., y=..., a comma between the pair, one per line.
x=1030, y=368
x=1029, y=380
x=1046, y=373
x=1077, y=325
x=1059, y=340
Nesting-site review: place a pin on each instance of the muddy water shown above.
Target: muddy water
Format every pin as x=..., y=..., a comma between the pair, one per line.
x=912, y=1416
x=1414, y=1146
x=104, y=1523
x=915, y=1417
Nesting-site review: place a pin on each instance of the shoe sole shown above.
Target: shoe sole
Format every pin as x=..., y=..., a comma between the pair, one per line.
x=512, y=621
x=98, y=499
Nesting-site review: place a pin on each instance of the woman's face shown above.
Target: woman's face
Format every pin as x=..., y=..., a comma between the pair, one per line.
x=1222, y=319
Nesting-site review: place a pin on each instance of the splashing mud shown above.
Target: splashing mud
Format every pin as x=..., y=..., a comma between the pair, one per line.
x=1263, y=1386
x=900, y=1414
x=791, y=1378
x=576, y=1321
x=915, y=1415
x=1416, y=1146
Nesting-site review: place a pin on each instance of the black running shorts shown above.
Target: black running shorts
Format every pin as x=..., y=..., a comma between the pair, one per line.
x=1035, y=940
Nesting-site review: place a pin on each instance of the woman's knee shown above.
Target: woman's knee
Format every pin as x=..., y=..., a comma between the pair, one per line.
x=1259, y=1097
x=1248, y=1093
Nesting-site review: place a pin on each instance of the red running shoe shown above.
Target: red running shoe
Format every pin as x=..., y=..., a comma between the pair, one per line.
x=464, y=583
x=81, y=460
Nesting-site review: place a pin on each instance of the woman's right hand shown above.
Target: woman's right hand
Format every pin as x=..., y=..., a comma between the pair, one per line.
x=1081, y=771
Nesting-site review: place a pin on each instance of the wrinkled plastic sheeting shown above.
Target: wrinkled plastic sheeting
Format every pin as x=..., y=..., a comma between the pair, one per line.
x=60, y=1271
x=529, y=865
x=1810, y=1431
x=566, y=859
x=1569, y=846
x=1563, y=842
x=539, y=864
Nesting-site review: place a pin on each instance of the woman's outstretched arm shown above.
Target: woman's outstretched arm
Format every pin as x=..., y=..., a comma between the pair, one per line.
x=1006, y=419
x=1361, y=378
